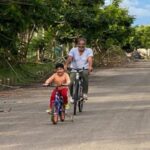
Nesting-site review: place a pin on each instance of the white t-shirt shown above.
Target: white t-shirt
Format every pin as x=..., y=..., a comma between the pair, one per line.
x=80, y=61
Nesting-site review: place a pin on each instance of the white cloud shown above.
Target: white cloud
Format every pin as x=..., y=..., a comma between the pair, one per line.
x=136, y=8
x=107, y=2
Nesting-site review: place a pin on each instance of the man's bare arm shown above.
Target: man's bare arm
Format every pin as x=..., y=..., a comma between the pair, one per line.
x=68, y=61
x=90, y=61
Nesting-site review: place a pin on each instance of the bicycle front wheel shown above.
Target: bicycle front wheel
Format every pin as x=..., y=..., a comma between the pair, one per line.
x=80, y=105
x=75, y=97
x=54, y=115
x=62, y=114
x=80, y=93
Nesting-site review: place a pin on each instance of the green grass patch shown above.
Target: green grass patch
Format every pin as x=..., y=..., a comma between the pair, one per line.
x=24, y=73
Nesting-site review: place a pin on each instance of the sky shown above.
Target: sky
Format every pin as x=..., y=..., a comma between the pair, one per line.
x=140, y=9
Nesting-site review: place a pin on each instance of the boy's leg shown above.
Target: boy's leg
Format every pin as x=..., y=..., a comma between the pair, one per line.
x=72, y=78
x=64, y=94
x=52, y=98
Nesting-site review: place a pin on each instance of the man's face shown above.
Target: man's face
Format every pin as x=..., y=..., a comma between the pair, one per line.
x=81, y=45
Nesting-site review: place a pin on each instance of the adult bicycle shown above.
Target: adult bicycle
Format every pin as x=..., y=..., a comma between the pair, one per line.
x=78, y=90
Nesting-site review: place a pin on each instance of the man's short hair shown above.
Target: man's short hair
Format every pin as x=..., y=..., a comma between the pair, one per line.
x=81, y=39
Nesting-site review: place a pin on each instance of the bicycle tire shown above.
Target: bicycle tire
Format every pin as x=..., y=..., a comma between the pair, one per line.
x=80, y=105
x=54, y=116
x=75, y=108
x=80, y=93
x=75, y=96
x=62, y=114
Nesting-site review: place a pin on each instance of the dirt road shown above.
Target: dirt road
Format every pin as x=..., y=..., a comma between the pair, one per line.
x=116, y=116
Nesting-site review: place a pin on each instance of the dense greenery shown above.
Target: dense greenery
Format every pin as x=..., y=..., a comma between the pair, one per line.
x=40, y=31
x=141, y=37
x=39, y=26
x=20, y=20
x=24, y=74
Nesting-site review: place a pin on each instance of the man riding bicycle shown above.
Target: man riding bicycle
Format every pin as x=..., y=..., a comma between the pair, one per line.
x=80, y=57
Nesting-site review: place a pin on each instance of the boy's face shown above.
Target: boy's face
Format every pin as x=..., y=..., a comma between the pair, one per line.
x=60, y=71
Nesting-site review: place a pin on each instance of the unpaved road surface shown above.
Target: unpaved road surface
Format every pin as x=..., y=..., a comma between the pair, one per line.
x=116, y=116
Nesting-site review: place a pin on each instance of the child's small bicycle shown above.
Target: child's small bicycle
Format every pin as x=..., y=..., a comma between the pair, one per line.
x=58, y=108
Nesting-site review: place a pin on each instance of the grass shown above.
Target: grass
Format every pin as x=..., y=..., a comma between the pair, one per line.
x=25, y=74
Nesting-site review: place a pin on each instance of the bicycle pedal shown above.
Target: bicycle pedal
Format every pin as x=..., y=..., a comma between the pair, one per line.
x=82, y=99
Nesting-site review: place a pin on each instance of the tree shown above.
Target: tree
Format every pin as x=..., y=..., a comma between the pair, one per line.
x=62, y=21
x=21, y=19
x=140, y=37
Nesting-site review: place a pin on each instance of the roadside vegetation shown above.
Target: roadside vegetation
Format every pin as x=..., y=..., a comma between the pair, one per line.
x=35, y=34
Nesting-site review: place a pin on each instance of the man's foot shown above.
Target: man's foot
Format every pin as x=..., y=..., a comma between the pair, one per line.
x=48, y=111
x=71, y=100
x=85, y=97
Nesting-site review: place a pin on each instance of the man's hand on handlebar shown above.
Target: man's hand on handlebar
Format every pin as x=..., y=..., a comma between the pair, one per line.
x=90, y=69
x=66, y=67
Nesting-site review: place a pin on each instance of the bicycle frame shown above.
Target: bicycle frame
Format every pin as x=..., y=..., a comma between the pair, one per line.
x=77, y=90
x=78, y=82
x=58, y=109
x=58, y=102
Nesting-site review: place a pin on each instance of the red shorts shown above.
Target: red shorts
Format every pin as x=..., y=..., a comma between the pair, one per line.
x=63, y=92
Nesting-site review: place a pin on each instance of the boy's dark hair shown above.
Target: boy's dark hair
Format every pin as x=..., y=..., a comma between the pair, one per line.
x=59, y=65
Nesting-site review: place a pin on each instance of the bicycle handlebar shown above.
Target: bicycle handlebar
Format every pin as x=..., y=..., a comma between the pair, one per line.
x=48, y=85
x=77, y=69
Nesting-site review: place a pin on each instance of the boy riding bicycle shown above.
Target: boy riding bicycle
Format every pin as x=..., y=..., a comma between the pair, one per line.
x=60, y=78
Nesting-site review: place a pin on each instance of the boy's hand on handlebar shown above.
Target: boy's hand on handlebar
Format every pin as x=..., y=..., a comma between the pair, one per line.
x=58, y=84
x=66, y=84
x=45, y=84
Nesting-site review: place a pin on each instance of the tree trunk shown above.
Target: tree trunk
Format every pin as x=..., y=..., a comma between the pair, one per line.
x=37, y=56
